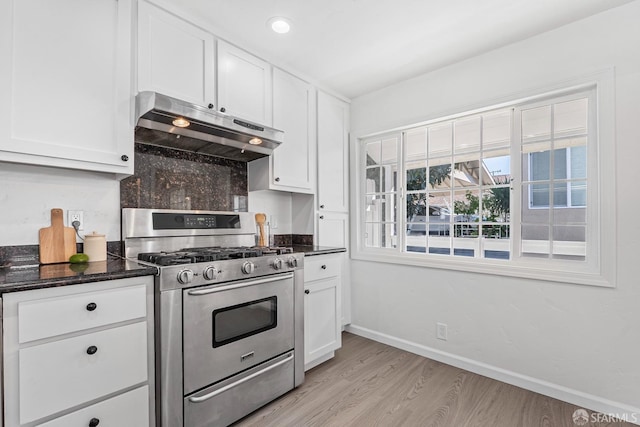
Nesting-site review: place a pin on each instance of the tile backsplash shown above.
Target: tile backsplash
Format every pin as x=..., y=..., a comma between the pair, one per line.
x=174, y=179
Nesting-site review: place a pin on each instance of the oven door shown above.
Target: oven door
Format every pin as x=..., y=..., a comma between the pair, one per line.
x=231, y=327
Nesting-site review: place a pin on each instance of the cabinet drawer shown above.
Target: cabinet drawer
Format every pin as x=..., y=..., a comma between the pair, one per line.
x=130, y=409
x=62, y=374
x=49, y=317
x=321, y=266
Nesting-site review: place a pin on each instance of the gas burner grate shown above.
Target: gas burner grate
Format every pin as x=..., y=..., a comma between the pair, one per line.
x=210, y=253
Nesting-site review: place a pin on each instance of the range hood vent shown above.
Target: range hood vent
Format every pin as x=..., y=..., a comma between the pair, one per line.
x=208, y=132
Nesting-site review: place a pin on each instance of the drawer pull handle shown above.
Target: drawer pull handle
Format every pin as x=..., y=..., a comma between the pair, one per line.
x=94, y=422
x=92, y=350
x=306, y=291
x=324, y=267
x=92, y=306
x=198, y=399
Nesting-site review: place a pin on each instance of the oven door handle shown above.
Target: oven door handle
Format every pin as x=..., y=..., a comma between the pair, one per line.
x=198, y=399
x=208, y=291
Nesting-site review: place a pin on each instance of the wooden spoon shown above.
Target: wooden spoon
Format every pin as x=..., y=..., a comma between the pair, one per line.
x=260, y=220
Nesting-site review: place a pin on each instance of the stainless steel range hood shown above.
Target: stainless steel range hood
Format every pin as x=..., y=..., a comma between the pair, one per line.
x=160, y=117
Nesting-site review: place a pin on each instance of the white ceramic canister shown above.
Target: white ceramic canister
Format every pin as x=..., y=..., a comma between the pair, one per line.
x=95, y=246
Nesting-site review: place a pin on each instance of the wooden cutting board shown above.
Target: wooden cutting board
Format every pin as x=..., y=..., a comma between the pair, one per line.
x=57, y=243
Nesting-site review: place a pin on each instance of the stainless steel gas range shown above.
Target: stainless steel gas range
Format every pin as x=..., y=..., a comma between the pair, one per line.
x=229, y=315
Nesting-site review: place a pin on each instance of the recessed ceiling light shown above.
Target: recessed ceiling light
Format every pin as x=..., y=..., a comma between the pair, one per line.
x=279, y=24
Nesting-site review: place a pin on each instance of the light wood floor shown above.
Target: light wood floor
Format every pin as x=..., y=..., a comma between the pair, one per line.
x=372, y=384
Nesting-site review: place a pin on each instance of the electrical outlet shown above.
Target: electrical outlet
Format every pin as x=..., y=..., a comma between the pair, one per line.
x=76, y=216
x=274, y=222
x=441, y=331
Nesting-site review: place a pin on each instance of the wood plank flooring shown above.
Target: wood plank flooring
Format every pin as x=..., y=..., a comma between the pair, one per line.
x=372, y=384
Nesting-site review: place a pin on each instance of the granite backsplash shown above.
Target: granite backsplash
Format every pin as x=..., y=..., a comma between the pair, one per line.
x=172, y=179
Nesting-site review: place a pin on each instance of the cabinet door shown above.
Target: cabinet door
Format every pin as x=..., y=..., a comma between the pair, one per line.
x=72, y=313
x=333, y=229
x=66, y=84
x=244, y=85
x=333, y=162
x=125, y=410
x=86, y=367
x=322, y=315
x=175, y=58
x=293, y=112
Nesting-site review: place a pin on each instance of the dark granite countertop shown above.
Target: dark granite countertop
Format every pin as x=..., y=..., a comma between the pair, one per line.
x=22, y=278
x=310, y=250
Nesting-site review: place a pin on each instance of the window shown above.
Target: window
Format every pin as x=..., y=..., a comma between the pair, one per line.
x=514, y=186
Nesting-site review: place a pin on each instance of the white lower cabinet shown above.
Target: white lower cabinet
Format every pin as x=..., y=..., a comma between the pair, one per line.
x=90, y=363
x=125, y=410
x=322, y=308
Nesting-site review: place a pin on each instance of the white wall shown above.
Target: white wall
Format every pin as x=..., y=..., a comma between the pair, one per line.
x=575, y=342
x=28, y=193
x=276, y=205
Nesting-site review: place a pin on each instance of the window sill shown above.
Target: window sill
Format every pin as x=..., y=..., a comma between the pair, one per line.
x=485, y=266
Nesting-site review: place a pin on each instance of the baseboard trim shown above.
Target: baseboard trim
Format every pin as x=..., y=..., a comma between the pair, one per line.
x=575, y=397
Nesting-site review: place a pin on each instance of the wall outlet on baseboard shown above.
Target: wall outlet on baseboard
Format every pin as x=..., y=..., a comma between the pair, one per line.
x=441, y=331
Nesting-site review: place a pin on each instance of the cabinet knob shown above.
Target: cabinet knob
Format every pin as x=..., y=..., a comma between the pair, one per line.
x=92, y=350
x=222, y=109
x=324, y=267
x=321, y=206
x=124, y=158
x=210, y=106
x=321, y=216
x=93, y=422
x=306, y=291
x=92, y=306
x=277, y=179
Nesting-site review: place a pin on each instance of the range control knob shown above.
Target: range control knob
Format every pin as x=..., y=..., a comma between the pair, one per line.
x=185, y=276
x=248, y=267
x=210, y=273
x=293, y=262
x=277, y=264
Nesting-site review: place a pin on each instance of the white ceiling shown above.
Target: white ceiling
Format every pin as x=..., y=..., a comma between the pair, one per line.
x=357, y=46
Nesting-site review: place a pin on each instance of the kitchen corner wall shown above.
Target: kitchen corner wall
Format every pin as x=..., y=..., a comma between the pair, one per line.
x=276, y=205
x=575, y=342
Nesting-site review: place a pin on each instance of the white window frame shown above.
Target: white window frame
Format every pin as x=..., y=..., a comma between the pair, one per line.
x=598, y=270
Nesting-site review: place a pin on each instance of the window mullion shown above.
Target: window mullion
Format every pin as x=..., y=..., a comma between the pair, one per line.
x=552, y=181
x=401, y=216
x=516, y=183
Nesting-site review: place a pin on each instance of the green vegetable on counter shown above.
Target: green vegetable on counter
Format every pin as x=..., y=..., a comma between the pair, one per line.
x=78, y=258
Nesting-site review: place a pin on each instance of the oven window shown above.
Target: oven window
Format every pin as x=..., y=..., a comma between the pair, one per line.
x=243, y=320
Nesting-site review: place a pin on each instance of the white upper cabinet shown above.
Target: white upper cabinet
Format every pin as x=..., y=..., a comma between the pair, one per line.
x=333, y=161
x=291, y=167
x=175, y=57
x=244, y=85
x=66, y=84
x=293, y=112
x=333, y=229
